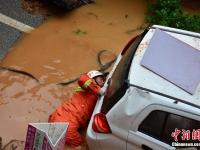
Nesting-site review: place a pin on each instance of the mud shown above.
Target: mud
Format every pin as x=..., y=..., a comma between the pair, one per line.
x=59, y=50
x=14, y=145
x=62, y=43
x=23, y=100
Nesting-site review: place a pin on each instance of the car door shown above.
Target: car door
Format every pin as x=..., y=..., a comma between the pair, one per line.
x=154, y=132
x=147, y=136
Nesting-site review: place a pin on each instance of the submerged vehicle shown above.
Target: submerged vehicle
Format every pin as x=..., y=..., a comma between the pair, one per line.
x=144, y=108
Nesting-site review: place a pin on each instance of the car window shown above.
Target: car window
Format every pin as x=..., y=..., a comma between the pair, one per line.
x=118, y=84
x=160, y=125
x=151, y=126
x=181, y=123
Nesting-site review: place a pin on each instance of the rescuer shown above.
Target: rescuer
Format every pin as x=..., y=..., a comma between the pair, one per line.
x=78, y=109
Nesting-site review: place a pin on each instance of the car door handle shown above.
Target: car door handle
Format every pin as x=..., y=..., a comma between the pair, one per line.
x=144, y=147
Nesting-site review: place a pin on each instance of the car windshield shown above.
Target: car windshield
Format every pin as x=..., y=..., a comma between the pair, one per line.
x=117, y=84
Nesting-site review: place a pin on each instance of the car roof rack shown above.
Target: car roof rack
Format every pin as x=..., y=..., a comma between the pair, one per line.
x=165, y=95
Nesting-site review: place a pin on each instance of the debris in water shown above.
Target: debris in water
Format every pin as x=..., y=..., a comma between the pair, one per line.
x=102, y=66
x=79, y=32
x=49, y=67
x=19, y=71
x=14, y=145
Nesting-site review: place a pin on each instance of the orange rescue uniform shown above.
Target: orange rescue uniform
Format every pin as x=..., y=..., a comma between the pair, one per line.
x=78, y=109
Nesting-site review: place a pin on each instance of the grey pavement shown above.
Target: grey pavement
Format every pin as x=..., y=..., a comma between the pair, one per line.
x=9, y=35
x=12, y=8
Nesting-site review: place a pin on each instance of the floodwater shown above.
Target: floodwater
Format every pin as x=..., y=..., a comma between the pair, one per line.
x=59, y=50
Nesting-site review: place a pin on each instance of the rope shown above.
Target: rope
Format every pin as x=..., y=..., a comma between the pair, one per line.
x=102, y=67
x=19, y=71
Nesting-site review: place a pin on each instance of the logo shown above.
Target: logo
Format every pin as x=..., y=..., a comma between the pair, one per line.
x=184, y=137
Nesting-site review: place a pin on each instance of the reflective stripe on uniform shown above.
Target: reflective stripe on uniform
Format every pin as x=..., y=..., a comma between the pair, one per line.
x=79, y=89
x=87, y=83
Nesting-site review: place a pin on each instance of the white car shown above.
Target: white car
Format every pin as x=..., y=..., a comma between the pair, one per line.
x=141, y=110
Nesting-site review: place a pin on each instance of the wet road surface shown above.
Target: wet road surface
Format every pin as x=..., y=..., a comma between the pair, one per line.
x=8, y=34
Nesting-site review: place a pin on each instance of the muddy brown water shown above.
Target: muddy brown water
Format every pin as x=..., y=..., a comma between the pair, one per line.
x=60, y=49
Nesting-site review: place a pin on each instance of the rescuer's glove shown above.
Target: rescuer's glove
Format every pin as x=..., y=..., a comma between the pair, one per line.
x=102, y=91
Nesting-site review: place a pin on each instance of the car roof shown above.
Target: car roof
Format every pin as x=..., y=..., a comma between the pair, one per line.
x=142, y=77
